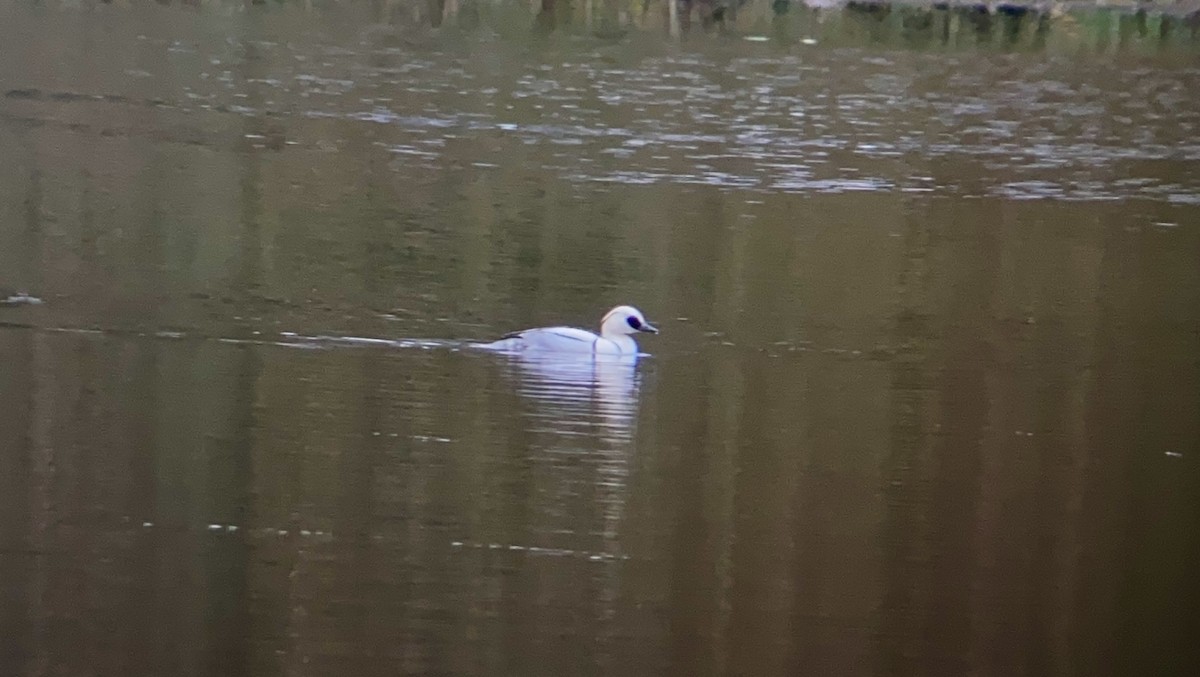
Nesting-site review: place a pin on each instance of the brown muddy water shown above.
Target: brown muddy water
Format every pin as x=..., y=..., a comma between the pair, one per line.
x=926, y=399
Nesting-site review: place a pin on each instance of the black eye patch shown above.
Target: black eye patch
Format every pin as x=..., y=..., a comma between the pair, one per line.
x=634, y=322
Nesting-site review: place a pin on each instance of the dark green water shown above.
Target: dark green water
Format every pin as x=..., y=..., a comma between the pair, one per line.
x=926, y=399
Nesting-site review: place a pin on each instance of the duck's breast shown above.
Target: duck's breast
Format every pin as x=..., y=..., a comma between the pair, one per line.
x=621, y=345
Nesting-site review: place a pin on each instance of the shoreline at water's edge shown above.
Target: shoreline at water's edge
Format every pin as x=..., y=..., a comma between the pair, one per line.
x=1178, y=9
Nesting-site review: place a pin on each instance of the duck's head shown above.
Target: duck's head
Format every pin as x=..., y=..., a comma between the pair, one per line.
x=624, y=320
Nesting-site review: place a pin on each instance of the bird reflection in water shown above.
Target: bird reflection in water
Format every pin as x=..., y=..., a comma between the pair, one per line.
x=580, y=395
x=582, y=411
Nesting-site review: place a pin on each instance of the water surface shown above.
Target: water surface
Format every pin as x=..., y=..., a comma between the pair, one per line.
x=925, y=401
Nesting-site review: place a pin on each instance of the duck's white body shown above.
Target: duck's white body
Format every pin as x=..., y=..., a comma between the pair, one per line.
x=565, y=340
x=614, y=337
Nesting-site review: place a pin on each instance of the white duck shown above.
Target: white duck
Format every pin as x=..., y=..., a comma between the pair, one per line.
x=614, y=338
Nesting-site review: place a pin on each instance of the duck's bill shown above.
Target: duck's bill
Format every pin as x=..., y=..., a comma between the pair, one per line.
x=648, y=328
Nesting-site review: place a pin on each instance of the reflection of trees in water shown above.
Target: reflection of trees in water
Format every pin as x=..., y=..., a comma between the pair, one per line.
x=1016, y=445
x=787, y=511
